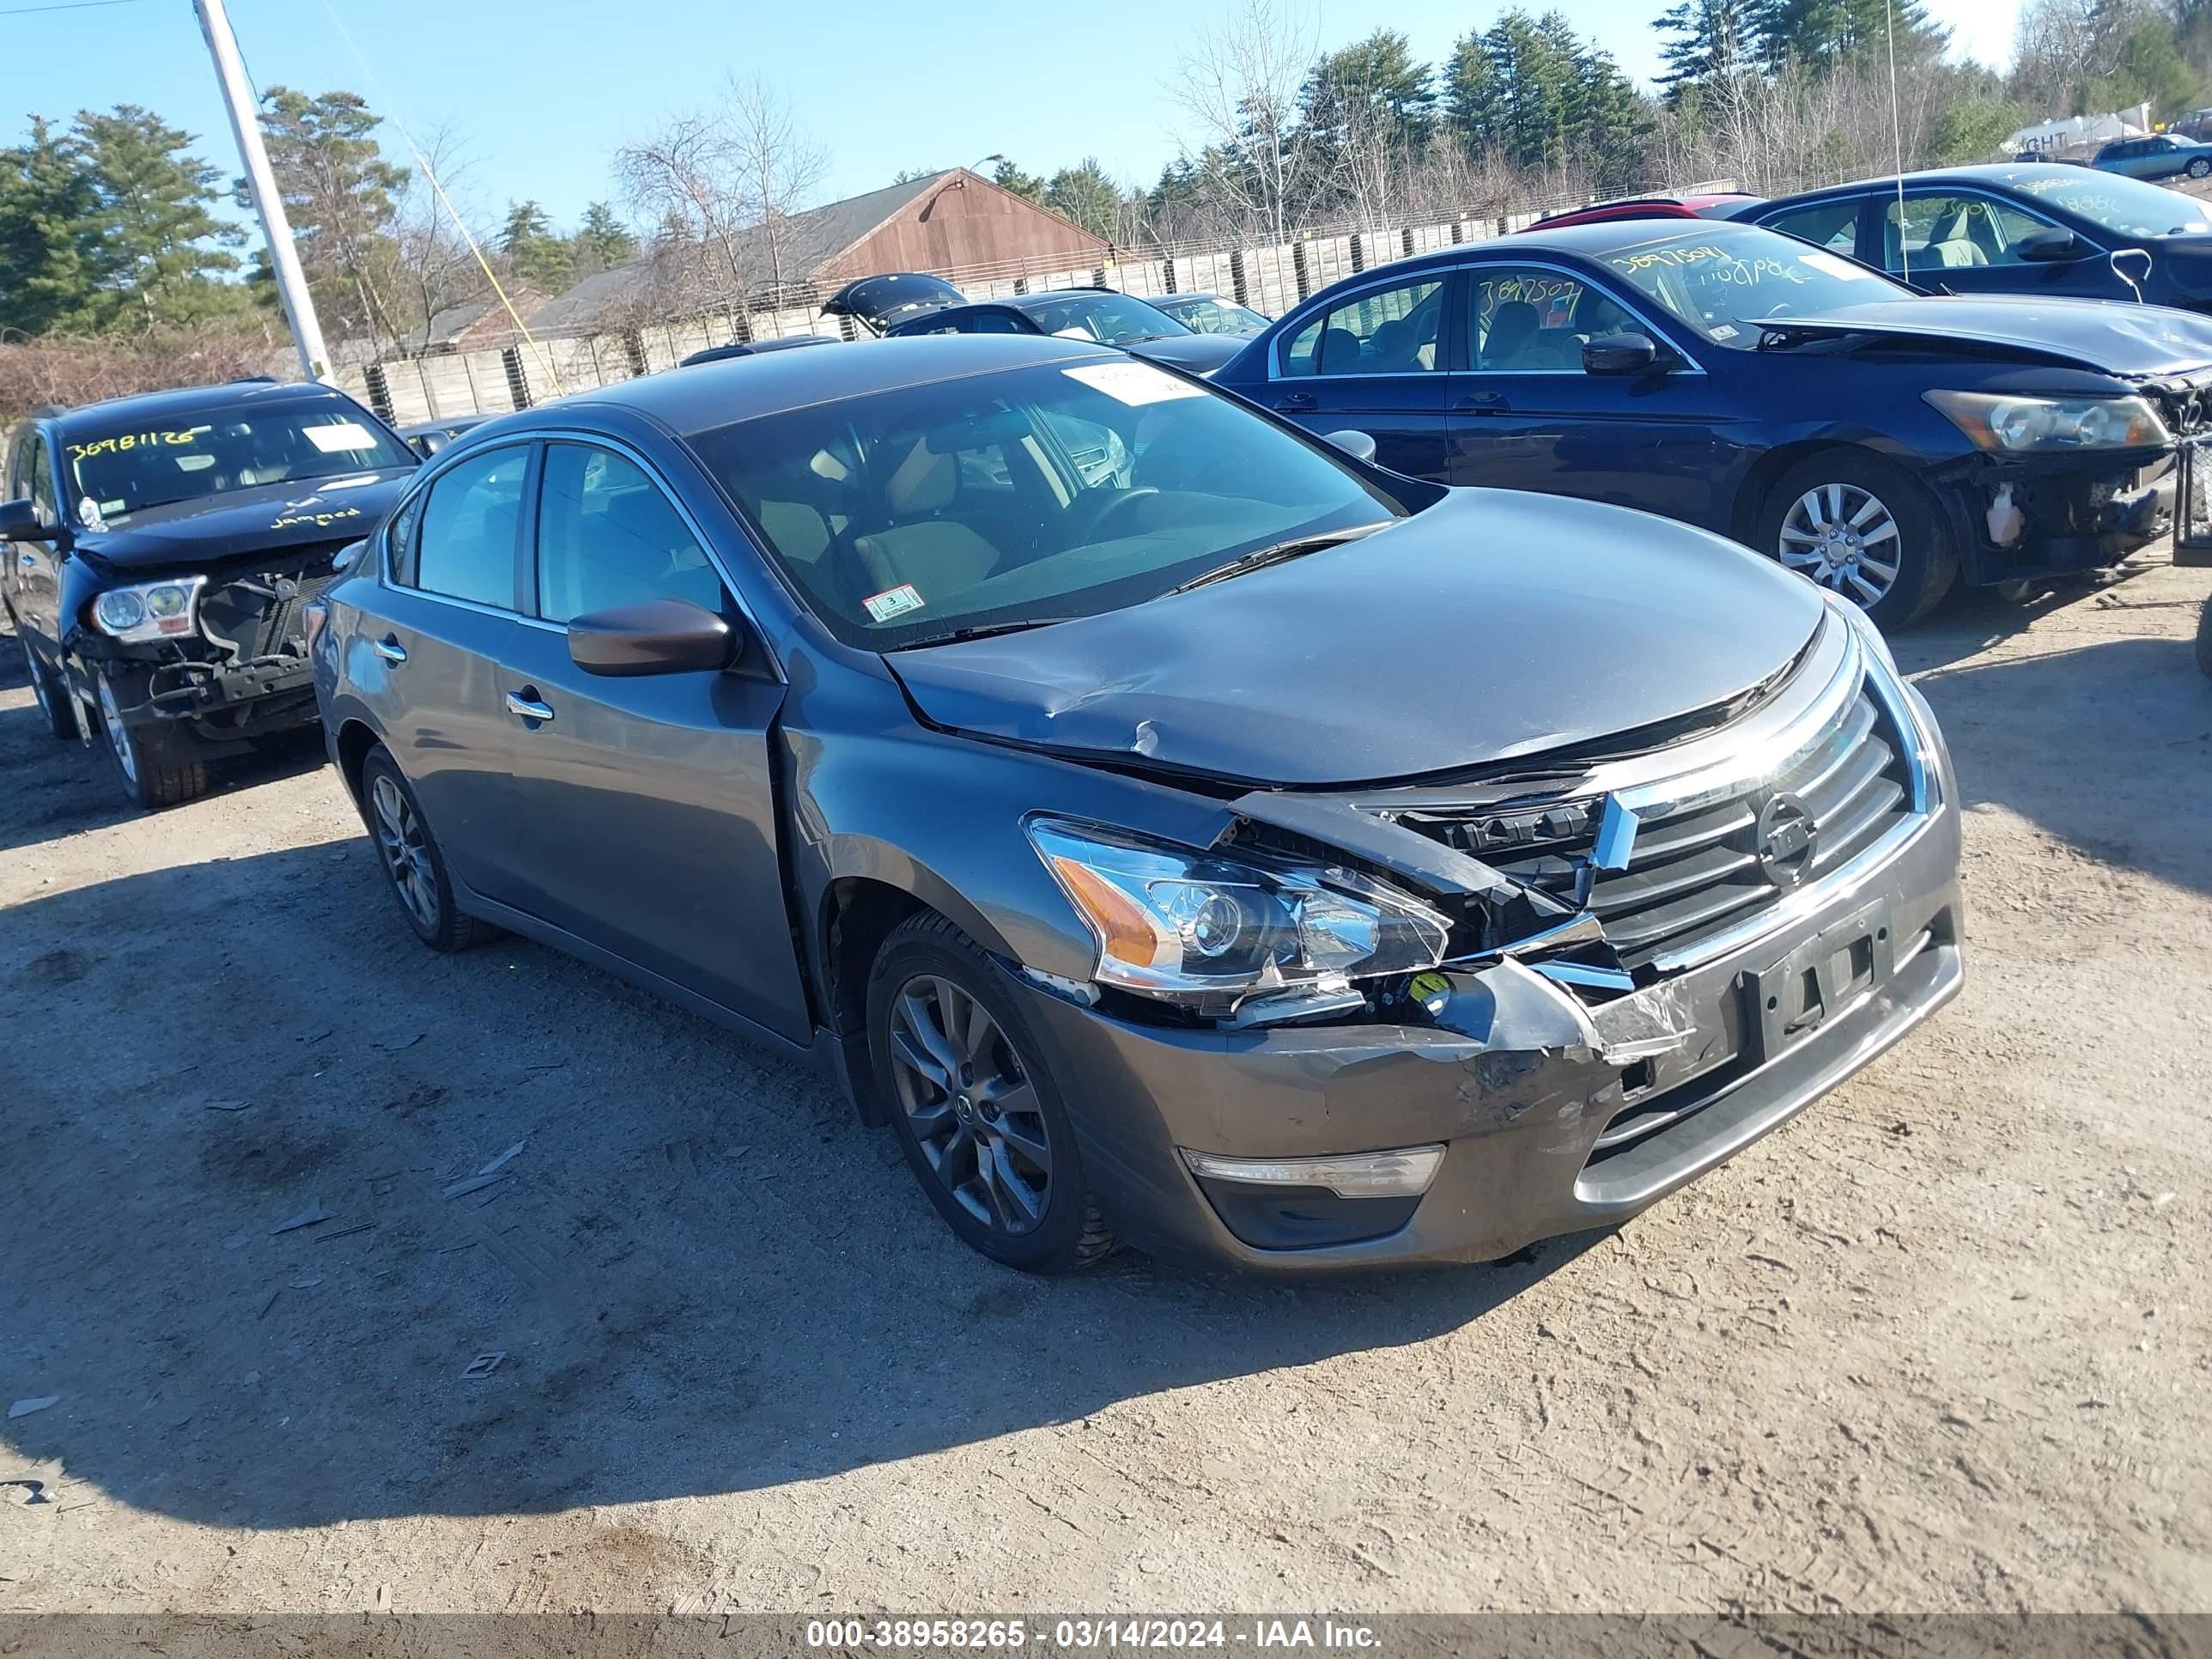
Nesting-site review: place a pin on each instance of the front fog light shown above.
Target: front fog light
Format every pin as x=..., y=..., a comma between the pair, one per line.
x=1405, y=1172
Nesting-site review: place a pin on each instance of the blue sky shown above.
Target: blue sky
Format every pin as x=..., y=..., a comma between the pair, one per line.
x=542, y=91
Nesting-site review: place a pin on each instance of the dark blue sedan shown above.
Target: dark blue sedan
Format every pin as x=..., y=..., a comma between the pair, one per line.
x=2013, y=228
x=1880, y=442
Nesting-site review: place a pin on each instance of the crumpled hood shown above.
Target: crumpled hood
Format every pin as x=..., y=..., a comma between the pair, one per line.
x=2113, y=337
x=190, y=535
x=1494, y=625
x=1194, y=354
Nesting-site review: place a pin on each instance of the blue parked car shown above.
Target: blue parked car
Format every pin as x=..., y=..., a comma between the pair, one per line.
x=2009, y=228
x=2161, y=156
x=1880, y=442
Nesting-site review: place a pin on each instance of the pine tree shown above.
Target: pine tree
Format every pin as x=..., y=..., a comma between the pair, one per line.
x=52, y=261
x=1717, y=43
x=1474, y=96
x=1027, y=185
x=339, y=192
x=602, y=241
x=1084, y=194
x=538, y=256
x=164, y=248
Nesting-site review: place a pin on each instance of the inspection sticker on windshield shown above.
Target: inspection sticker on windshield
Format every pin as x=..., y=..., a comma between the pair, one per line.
x=892, y=602
x=1133, y=384
x=339, y=436
x=1831, y=265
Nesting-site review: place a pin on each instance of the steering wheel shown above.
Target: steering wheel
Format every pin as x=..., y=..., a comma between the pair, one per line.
x=1098, y=507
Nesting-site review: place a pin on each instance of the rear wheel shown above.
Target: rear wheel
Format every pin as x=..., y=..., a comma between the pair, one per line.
x=153, y=765
x=411, y=859
x=977, y=1112
x=1863, y=528
x=53, y=704
x=2199, y=165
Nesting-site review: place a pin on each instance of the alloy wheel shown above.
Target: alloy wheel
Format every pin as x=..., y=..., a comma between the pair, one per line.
x=969, y=1100
x=1844, y=537
x=407, y=853
x=118, y=736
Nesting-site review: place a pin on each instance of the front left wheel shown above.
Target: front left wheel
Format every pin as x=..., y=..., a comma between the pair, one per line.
x=974, y=1107
x=54, y=705
x=1863, y=527
x=2199, y=165
x=153, y=765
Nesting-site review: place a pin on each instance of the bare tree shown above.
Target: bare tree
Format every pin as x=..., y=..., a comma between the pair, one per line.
x=685, y=177
x=777, y=168
x=436, y=263
x=1239, y=85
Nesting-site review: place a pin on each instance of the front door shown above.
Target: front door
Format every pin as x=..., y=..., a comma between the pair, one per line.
x=1970, y=243
x=644, y=817
x=428, y=662
x=1526, y=415
x=33, y=573
x=1374, y=363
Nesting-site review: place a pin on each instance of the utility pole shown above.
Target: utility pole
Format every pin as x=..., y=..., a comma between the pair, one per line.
x=245, y=125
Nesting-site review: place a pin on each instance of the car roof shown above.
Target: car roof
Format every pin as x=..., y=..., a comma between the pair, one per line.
x=714, y=395
x=1694, y=205
x=1997, y=174
x=1591, y=241
x=237, y=396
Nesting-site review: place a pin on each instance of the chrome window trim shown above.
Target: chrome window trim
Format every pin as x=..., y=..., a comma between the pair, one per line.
x=1442, y=274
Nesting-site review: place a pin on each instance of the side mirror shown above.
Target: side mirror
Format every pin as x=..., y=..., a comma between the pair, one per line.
x=1360, y=446
x=1618, y=354
x=660, y=636
x=349, y=557
x=2050, y=246
x=19, y=522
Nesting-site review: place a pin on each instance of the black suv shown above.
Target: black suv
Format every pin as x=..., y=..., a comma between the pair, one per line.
x=157, y=554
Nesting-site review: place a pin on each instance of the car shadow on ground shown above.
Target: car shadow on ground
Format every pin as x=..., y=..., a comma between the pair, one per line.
x=2135, y=717
x=63, y=785
x=702, y=1274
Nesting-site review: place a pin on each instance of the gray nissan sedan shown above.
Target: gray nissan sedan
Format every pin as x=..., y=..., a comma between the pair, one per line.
x=1177, y=829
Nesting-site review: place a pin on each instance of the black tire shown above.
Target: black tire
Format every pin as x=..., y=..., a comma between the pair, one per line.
x=156, y=767
x=1926, y=564
x=2204, y=638
x=54, y=704
x=1067, y=1231
x=414, y=865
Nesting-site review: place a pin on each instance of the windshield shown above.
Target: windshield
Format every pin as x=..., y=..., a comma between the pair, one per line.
x=1040, y=494
x=2112, y=201
x=1206, y=315
x=1108, y=319
x=157, y=464
x=1724, y=281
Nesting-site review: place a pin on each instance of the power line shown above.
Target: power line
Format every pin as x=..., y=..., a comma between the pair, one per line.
x=70, y=5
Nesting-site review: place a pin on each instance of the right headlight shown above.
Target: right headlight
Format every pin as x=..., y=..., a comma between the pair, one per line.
x=1997, y=421
x=148, y=611
x=1195, y=928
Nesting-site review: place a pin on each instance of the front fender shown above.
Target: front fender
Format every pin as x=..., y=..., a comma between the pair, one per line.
x=939, y=816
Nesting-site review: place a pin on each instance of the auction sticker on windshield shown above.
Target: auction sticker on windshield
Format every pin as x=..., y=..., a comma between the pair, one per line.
x=339, y=436
x=1133, y=384
x=892, y=602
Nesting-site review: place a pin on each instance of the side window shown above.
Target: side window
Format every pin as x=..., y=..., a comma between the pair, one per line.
x=38, y=480
x=606, y=535
x=1831, y=225
x=1949, y=232
x=1386, y=330
x=996, y=322
x=470, y=522
x=1527, y=320
x=399, y=539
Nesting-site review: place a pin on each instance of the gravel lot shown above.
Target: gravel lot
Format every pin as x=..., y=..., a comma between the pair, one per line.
x=1943, y=1344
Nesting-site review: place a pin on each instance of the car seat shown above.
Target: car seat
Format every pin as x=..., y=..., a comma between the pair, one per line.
x=938, y=556
x=1512, y=330
x=1951, y=245
x=1341, y=353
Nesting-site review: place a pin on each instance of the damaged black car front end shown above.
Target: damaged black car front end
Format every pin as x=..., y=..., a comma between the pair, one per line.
x=163, y=609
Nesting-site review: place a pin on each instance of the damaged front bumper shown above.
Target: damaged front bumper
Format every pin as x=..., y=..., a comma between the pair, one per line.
x=2022, y=519
x=1553, y=1116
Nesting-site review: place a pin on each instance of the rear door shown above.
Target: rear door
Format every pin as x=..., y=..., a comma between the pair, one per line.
x=1526, y=415
x=1374, y=362
x=34, y=575
x=644, y=816
x=427, y=663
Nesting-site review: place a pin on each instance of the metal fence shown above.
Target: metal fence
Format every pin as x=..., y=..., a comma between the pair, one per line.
x=1270, y=277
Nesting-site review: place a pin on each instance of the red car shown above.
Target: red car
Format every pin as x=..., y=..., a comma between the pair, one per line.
x=1717, y=205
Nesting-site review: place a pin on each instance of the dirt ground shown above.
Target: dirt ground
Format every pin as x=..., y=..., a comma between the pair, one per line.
x=1945, y=1343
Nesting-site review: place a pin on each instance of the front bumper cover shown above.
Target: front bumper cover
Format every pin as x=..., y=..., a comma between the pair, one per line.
x=1508, y=1080
x=2022, y=517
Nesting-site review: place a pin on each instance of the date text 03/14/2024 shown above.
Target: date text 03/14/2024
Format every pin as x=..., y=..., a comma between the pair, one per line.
x=944, y=1634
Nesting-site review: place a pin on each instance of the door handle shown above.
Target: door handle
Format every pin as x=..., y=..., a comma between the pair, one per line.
x=524, y=703
x=1295, y=400
x=390, y=649
x=1483, y=402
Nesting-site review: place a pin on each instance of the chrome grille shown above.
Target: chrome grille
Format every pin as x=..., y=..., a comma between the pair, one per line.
x=1693, y=874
